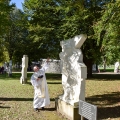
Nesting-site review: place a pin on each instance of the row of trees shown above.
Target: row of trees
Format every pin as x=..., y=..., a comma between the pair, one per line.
x=39, y=28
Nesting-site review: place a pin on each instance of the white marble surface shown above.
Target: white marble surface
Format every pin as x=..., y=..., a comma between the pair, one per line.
x=74, y=71
x=24, y=69
x=116, y=69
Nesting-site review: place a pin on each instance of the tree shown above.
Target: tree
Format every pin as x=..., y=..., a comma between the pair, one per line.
x=79, y=17
x=107, y=30
x=52, y=21
x=5, y=9
x=44, y=22
x=16, y=33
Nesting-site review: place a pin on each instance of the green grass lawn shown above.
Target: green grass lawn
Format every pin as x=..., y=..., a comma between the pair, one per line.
x=16, y=100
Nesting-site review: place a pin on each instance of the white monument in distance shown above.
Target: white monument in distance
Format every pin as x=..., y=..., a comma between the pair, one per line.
x=116, y=69
x=23, y=78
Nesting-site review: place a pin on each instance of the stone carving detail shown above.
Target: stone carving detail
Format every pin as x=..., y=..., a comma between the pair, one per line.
x=73, y=70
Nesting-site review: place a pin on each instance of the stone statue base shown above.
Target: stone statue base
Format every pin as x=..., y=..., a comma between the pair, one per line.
x=71, y=102
x=23, y=80
x=71, y=112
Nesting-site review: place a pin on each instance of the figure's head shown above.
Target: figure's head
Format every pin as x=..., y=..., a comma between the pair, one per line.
x=35, y=68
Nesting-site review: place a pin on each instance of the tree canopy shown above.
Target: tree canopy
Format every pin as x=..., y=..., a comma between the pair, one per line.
x=107, y=30
x=38, y=30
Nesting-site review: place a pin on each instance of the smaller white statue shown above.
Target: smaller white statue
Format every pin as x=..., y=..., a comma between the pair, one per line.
x=116, y=69
x=23, y=78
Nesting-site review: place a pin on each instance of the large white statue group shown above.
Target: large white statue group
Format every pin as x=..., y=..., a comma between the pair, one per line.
x=74, y=71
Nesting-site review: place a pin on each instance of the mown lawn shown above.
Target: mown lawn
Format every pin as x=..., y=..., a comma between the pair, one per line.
x=16, y=99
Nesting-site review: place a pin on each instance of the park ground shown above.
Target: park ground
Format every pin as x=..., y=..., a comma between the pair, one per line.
x=103, y=90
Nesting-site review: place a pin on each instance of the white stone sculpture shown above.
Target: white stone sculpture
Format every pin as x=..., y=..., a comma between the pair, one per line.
x=23, y=78
x=5, y=67
x=116, y=69
x=9, y=68
x=74, y=71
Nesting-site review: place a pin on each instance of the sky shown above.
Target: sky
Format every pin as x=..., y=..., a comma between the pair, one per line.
x=18, y=3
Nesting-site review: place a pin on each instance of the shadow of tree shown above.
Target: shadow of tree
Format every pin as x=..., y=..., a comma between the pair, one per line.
x=20, y=99
x=108, y=105
x=5, y=107
x=15, y=99
x=108, y=112
x=50, y=109
x=105, y=77
x=52, y=82
x=29, y=83
x=105, y=99
x=52, y=99
x=53, y=76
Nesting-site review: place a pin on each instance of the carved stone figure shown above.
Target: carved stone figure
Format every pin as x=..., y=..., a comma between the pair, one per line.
x=23, y=78
x=116, y=69
x=73, y=70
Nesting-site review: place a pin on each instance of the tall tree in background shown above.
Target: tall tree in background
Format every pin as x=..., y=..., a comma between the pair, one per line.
x=107, y=30
x=52, y=21
x=5, y=9
x=79, y=19
x=14, y=37
x=44, y=22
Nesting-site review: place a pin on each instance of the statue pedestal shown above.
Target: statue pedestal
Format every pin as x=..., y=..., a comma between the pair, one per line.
x=23, y=80
x=71, y=112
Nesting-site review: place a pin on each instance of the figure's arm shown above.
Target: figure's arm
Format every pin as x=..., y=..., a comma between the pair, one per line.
x=34, y=81
x=46, y=65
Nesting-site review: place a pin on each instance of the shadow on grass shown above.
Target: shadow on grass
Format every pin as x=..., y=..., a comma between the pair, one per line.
x=105, y=77
x=4, y=107
x=52, y=99
x=20, y=99
x=108, y=112
x=52, y=82
x=28, y=82
x=50, y=109
x=53, y=76
x=106, y=99
x=18, y=75
x=14, y=76
x=15, y=99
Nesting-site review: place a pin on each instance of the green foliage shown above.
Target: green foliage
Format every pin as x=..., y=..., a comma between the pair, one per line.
x=47, y=22
x=53, y=21
x=13, y=39
x=5, y=8
x=107, y=31
x=44, y=22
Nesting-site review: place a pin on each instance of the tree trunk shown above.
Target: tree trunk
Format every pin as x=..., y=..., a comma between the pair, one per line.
x=104, y=64
x=88, y=63
x=97, y=67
